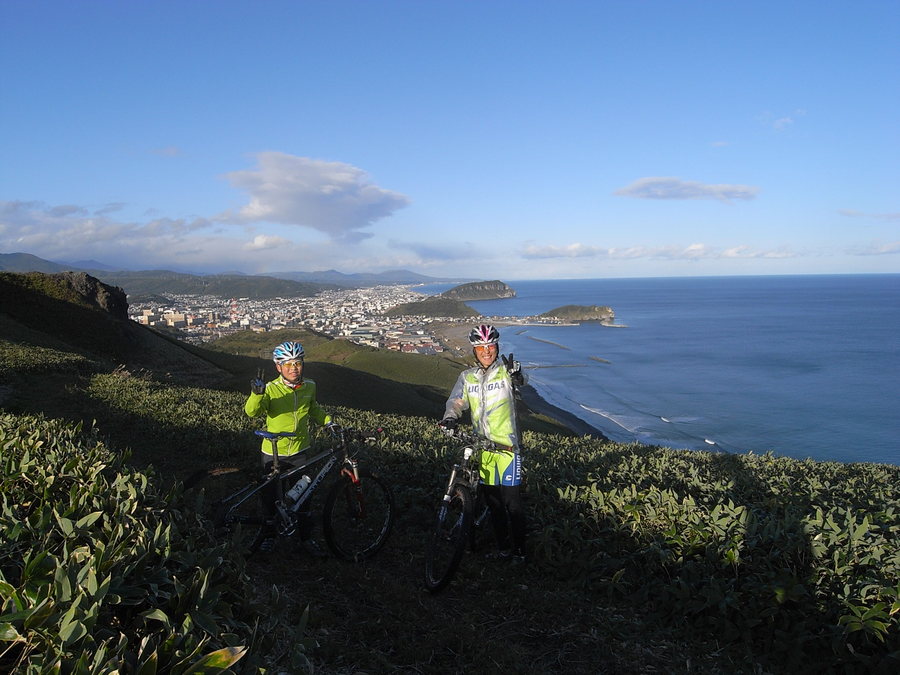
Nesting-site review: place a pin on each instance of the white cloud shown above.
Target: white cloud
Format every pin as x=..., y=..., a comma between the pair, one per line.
x=197, y=245
x=576, y=250
x=889, y=248
x=67, y=232
x=430, y=253
x=871, y=216
x=675, y=188
x=170, y=151
x=109, y=208
x=746, y=252
x=782, y=122
x=331, y=197
x=696, y=251
x=265, y=242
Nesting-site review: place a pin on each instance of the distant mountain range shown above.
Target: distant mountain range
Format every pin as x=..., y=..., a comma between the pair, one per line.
x=363, y=278
x=276, y=284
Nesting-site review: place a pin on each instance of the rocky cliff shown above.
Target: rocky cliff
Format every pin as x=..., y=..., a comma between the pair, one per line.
x=95, y=293
x=480, y=290
x=23, y=291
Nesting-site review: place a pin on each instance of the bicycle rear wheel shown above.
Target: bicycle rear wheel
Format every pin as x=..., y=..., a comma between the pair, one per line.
x=233, y=506
x=448, y=539
x=358, y=516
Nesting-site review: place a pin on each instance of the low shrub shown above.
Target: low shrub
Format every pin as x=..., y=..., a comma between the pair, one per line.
x=103, y=572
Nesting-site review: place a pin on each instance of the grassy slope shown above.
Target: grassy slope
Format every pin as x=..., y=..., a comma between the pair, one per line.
x=435, y=306
x=365, y=377
x=376, y=617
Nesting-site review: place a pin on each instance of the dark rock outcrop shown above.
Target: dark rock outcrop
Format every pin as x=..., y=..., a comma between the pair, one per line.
x=480, y=290
x=95, y=293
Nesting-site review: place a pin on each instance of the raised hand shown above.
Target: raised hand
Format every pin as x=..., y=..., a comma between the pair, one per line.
x=258, y=385
x=514, y=368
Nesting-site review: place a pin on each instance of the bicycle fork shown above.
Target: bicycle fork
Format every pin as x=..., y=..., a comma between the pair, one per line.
x=356, y=503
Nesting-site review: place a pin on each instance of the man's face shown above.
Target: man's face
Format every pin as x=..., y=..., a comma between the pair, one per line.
x=292, y=371
x=486, y=354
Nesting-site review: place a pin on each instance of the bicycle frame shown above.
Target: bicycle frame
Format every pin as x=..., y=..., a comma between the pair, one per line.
x=236, y=499
x=357, y=507
x=472, y=446
x=461, y=512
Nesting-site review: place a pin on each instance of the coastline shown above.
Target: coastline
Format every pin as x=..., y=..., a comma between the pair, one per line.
x=537, y=405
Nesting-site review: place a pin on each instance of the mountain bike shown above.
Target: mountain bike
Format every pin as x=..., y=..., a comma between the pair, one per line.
x=358, y=511
x=461, y=514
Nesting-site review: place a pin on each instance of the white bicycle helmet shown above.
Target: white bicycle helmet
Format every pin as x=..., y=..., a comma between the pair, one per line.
x=484, y=335
x=288, y=351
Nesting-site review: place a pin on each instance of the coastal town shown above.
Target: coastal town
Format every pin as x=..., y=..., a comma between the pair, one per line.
x=354, y=314
x=351, y=314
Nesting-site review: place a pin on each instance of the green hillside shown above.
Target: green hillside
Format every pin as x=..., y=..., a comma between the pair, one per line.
x=220, y=285
x=356, y=376
x=641, y=559
x=45, y=322
x=435, y=306
x=581, y=313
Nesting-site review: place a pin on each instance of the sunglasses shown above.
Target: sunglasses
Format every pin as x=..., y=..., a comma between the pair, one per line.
x=293, y=365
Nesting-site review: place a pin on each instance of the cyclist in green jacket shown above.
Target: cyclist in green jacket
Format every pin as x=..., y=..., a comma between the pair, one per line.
x=488, y=392
x=288, y=403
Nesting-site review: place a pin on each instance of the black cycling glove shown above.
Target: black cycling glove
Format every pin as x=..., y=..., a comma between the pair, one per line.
x=449, y=423
x=514, y=368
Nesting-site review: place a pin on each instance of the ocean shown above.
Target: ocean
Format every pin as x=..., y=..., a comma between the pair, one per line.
x=804, y=366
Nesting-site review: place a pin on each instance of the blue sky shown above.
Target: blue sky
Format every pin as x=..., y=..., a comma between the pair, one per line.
x=490, y=139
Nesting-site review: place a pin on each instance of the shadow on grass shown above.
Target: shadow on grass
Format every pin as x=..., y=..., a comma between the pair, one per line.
x=715, y=543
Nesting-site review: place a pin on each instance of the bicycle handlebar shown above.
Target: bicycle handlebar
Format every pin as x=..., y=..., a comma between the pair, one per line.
x=344, y=434
x=480, y=442
x=274, y=434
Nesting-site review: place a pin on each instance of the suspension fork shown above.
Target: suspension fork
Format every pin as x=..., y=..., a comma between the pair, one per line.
x=449, y=491
x=351, y=470
x=356, y=503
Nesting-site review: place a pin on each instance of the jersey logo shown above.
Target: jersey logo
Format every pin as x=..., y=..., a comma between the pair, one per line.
x=490, y=386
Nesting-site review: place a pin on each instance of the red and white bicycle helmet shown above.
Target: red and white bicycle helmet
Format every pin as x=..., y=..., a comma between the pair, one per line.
x=484, y=335
x=288, y=351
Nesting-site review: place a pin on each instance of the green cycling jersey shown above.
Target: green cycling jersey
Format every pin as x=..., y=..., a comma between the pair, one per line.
x=287, y=409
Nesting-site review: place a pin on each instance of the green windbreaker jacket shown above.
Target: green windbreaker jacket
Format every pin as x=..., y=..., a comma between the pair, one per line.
x=287, y=409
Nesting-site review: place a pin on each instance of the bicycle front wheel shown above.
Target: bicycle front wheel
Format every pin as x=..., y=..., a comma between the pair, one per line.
x=358, y=516
x=448, y=539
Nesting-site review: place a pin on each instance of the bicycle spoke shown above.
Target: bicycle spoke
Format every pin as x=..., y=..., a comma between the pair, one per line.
x=358, y=516
x=448, y=539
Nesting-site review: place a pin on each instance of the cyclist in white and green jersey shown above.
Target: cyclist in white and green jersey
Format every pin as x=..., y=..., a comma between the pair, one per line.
x=487, y=391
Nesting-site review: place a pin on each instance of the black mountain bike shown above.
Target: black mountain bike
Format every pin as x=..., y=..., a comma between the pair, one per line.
x=357, y=515
x=461, y=514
